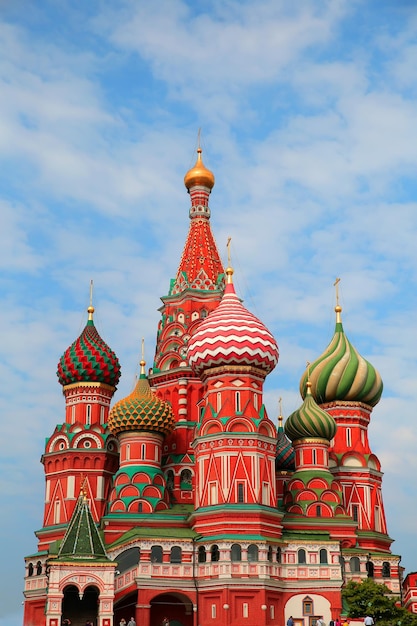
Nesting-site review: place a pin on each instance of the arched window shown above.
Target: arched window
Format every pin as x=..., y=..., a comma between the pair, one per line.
x=253, y=552
x=279, y=555
x=302, y=556
x=386, y=569
x=30, y=569
x=202, y=556
x=323, y=556
x=176, y=554
x=342, y=564
x=236, y=552
x=354, y=564
x=156, y=554
x=170, y=480
x=270, y=554
x=186, y=479
x=215, y=553
x=370, y=569
x=38, y=568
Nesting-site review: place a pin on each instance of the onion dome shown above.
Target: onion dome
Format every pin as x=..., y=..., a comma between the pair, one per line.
x=231, y=335
x=341, y=373
x=89, y=359
x=285, y=456
x=199, y=175
x=310, y=421
x=141, y=410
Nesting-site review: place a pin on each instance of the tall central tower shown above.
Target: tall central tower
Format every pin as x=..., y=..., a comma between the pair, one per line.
x=195, y=291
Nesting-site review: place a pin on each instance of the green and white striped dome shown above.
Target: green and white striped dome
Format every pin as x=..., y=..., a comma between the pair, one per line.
x=310, y=421
x=341, y=373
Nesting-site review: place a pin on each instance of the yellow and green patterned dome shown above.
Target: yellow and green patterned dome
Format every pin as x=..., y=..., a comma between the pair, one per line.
x=141, y=410
x=341, y=373
x=310, y=421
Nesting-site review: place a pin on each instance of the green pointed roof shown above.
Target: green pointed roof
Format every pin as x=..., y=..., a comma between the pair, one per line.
x=341, y=373
x=82, y=539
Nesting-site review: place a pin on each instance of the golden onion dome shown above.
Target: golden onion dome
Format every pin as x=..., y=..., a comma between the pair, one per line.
x=199, y=175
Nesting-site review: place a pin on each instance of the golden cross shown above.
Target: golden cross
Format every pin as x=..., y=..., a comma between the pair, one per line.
x=336, y=284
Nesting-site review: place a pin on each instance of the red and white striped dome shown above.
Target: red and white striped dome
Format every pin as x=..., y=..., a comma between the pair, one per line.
x=231, y=335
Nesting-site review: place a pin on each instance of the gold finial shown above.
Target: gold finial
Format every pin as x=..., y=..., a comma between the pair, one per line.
x=308, y=383
x=199, y=175
x=142, y=361
x=280, y=411
x=337, y=308
x=90, y=309
x=229, y=268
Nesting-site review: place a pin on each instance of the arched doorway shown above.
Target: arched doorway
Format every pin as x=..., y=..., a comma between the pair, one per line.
x=171, y=609
x=80, y=607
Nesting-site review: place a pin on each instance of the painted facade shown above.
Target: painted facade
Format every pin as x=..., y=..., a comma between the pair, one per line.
x=184, y=504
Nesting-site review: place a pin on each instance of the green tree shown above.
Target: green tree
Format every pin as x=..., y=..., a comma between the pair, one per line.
x=369, y=598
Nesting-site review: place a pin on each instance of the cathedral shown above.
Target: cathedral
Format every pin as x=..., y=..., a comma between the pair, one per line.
x=184, y=504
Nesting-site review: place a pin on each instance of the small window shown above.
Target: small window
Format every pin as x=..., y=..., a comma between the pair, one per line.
x=386, y=570
x=323, y=556
x=170, y=480
x=314, y=459
x=318, y=510
x=279, y=555
x=370, y=569
x=30, y=569
x=302, y=556
x=38, y=568
x=186, y=479
x=355, y=512
x=270, y=554
x=348, y=438
x=236, y=553
x=156, y=554
x=354, y=564
x=176, y=554
x=215, y=553
x=88, y=414
x=240, y=493
x=253, y=552
x=202, y=556
x=307, y=606
x=237, y=402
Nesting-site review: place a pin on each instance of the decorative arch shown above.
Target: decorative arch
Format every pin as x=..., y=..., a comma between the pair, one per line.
x=210, y=427
x=240, y=425
x=317, y=483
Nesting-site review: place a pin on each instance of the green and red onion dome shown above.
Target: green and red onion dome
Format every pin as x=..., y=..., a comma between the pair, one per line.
x=89, y=359
x=342, y=374
x=232, y=336
x=141, y=410
x=310, y=421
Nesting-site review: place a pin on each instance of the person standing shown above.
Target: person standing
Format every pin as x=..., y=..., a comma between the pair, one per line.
x=122, y=622
x=369, y=621
x=131, y=622
x=290, y=621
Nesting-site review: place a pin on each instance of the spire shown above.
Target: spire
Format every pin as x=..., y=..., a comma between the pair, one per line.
x=200, y=267
x=82, y=539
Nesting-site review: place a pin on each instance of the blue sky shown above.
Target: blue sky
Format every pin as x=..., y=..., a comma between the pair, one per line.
x=308, y=115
